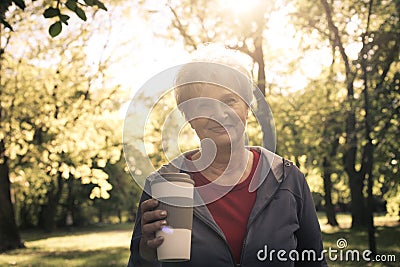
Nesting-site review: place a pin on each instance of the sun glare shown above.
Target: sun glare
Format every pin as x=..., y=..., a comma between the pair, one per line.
x=239, y=6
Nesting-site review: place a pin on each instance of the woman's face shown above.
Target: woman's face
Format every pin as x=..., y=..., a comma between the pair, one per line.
x=218, y=114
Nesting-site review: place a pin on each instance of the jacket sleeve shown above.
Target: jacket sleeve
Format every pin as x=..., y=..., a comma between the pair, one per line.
x=309, y=239
x=135, y=260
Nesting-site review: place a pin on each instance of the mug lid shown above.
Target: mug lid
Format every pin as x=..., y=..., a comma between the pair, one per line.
x=173, y=177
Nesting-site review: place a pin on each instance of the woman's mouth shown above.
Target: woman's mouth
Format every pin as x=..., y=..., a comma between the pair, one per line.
x=220, y=129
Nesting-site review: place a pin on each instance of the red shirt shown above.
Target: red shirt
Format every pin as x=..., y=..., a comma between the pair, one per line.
x=232, y=211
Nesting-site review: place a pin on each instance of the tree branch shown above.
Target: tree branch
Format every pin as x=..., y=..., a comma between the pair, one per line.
x=178, y=25
x=338, y=43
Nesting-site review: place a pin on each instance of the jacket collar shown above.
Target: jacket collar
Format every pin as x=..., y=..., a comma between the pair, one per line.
x=269, y=163
x=268, y=176
x=267, y=180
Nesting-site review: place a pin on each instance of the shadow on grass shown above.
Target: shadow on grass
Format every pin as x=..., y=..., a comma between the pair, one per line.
x=116, y=256
x=36, y=234
x=108, y=245
x=386, y=241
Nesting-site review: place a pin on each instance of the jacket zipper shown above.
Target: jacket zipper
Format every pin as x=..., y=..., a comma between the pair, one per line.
x=255, y=217
x=248, y=228
x=204, y=220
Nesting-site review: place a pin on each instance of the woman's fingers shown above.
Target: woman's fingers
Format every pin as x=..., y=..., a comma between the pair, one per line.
x=150, y=229
x=148, y=232
x=155, y=242
x=148, y=205
x=152, y=216
x=152, y=221
x=149, y=214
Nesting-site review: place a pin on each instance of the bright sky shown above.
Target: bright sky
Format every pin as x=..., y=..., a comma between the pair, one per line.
x=146, y=54
x=139, y=52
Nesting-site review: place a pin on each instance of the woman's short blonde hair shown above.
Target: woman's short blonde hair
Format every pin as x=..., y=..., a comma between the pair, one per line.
x=217, y=65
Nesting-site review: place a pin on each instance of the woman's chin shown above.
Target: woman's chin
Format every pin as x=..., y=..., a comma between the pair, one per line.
x=224, y=140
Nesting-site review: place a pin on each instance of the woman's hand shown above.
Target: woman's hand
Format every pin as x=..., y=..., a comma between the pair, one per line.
x=152, y=221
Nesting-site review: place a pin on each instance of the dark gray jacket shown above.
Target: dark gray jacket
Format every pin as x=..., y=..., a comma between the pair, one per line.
x=282, y=226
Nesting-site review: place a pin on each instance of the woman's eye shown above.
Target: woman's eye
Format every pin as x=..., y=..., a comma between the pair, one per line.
x=230, y=101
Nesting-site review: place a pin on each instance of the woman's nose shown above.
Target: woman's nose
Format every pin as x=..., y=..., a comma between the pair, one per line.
x=219, y=111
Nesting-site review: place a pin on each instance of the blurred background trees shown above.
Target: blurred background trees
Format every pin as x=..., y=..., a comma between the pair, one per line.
x=329, y=70
x=370, y=79
x=58, y=142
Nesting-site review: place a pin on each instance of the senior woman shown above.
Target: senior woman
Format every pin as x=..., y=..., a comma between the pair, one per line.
x=255, y=207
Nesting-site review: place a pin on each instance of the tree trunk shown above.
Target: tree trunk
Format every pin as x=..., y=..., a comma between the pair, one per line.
x=357, y=205
x=267, y=127
x=49, y=210
x=9, y=234
x=356, y=181
x=356, y=178
x=25, y=214
x=327, y=173
x=263, y=111
x=119, y=214
x=70, y=198
x=100, y=215
x=330, y=209
x=370, y=215
x=368, y=155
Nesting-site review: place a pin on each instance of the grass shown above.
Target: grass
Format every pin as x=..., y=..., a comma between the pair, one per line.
x=387, y=239
x=92, y=246
x=108, y=245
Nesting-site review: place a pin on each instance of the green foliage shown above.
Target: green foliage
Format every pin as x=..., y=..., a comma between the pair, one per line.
x=363, y=37
x=58, y=120
x=73, y=6
x=53, y=9
x=158, y=139
x=307, y=123
x=55, y=29
x=51, y=12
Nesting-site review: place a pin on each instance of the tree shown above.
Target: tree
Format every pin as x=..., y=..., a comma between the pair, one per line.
x=379, y=52
x=309, y=127
x=9, y=235
x=123, y=196
x=369, y=80
x=53, y=108
x=197, y=22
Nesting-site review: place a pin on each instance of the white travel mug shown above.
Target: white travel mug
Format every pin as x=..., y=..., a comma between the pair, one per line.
x=174, y=191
